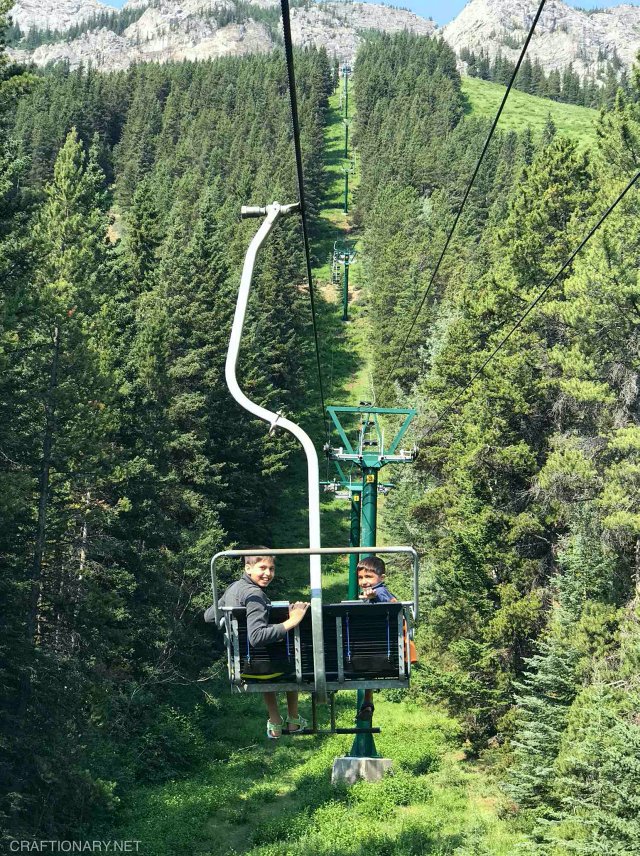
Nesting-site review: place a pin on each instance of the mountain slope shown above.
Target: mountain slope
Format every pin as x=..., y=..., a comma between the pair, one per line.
x=524, y=110
x=200, y=29
x=563, y=35
x=192, y=30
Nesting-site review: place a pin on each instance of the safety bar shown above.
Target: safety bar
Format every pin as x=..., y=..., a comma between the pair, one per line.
x=319, y=551
x=273, y=213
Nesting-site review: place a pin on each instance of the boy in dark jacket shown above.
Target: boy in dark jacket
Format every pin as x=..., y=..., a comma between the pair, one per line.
x=249, y=592
x=371, y=571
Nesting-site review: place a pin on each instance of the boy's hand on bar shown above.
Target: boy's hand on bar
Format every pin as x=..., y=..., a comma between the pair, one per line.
x=297, y=612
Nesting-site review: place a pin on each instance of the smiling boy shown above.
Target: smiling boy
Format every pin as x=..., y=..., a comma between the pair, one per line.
x=371, y=571
x=249, y=592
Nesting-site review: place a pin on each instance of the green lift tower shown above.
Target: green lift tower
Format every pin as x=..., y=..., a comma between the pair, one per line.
x=346, y=487
x=370, y=451
x=343, y=255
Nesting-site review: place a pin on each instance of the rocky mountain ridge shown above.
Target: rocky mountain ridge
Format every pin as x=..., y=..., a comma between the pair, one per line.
x=564, y=35
x=192, y=29
x=55, y=14
x=200, y=29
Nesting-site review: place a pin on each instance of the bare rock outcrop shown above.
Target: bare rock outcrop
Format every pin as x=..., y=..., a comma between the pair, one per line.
x=564, y=35
x=107, y=51
x=54, y=14
x=169, y=31
x=338, y=26
x=99, y=49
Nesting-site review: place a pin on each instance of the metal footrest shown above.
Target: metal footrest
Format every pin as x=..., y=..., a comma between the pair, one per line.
x=301, y=732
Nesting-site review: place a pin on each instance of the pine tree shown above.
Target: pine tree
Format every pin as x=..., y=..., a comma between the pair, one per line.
x=542, y=705
x=597, y=772
x=64, y=444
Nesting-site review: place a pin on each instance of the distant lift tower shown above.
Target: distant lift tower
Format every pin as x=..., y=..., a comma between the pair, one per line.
x=343, y=256
x=345, y=71
x=370, y=452
x=346, y=487
x=347, y=170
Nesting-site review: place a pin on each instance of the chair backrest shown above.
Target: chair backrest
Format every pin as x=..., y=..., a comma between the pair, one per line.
x=275, y=661
x=361, y=641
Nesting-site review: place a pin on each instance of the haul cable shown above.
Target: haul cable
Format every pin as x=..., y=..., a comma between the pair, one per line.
x=288, y=48
x=534, y=303
x=396, y=361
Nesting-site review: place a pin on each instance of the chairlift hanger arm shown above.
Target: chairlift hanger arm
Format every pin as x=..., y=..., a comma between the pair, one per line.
x=272, y=214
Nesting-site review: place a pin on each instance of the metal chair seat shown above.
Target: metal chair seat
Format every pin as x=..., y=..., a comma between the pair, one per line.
x=364, y=648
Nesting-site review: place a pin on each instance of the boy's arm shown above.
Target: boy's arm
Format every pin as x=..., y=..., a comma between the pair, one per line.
x=210, y=615
x=258, y=627
x=383, y=595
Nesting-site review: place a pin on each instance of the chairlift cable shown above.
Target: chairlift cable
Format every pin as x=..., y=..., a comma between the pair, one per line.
x=288, y=47
x=535, y=302
x=432, y=280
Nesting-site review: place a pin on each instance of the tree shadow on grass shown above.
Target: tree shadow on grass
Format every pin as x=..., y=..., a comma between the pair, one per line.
x=268, y=814
x=467, y=106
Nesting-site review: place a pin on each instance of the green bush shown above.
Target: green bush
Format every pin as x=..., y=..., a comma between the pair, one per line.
x=169, y=746
x=285, y=827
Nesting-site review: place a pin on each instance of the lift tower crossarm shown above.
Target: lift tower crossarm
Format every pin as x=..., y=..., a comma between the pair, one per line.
x=378, y=459
x=273, y=213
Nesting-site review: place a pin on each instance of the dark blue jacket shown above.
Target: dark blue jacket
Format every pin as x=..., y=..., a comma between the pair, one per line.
x=383, y=595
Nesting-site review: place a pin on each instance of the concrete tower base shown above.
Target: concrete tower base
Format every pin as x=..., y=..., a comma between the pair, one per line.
x=351, y=770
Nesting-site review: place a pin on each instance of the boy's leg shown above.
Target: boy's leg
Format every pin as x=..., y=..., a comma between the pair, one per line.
x=292, y=704
x=271, y=701
x=366, y=711
x=294, y=721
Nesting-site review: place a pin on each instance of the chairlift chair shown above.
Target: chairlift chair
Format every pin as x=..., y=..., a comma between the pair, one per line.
x=338, y=646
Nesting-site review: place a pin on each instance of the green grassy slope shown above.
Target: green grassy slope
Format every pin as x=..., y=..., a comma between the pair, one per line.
x=257, y=798
x=483, y=99
x=344, y=342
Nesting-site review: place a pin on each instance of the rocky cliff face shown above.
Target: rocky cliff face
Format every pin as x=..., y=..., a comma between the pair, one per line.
x=107, y=51
x=338, y=26
x=172, y=30
x=54, y=14
x=563, y=35
x=196, y=29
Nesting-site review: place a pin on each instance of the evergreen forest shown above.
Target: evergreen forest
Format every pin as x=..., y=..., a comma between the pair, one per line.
x=125, y=464
x=563, y=85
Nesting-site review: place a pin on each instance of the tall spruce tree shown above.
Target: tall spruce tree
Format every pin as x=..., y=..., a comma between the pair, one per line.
x=542, y=706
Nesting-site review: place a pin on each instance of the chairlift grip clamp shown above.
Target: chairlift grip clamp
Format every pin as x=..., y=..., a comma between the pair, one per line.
x=274, y=424
x=249, y=211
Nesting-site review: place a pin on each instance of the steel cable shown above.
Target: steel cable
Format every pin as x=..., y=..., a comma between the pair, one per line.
x=535, y=302
x=288, y=47
x=432, y=280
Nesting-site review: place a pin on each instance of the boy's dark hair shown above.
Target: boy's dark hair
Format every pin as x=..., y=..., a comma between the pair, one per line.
x=371, y=563
x=253, y=560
